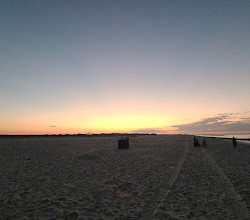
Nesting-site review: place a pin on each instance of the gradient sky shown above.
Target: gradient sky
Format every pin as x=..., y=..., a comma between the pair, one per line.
x=124, y=66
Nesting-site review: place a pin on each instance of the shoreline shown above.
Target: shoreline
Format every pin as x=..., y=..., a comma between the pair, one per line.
x=225, y=138
x=244, y=141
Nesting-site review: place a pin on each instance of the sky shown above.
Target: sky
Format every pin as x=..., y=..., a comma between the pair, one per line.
x=124, y=66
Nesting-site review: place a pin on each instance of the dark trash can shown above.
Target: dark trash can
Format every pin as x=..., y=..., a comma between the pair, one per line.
x=204, y=142
x=196, y=142
x=123, y=143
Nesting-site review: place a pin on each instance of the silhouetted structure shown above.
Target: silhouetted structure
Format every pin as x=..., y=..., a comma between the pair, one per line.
x=204, y=142
x=123, y=143
x=234, y=142
x=196, y=142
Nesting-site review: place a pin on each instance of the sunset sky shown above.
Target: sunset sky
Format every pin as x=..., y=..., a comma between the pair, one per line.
x=124, y=66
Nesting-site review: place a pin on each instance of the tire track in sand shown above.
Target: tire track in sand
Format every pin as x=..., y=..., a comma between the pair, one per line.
x=239, y=210
x=150, y=210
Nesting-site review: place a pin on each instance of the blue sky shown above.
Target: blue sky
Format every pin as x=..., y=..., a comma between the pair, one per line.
x=79, y=64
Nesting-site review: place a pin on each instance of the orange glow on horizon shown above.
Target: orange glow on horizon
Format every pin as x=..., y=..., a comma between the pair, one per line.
x=121, y=117
x=127, y=123
x=76, y=124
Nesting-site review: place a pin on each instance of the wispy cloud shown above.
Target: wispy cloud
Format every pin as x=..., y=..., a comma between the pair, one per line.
x=228, y=122
x=222, y=123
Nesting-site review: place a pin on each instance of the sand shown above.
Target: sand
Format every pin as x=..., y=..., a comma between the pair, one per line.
x=159, y=177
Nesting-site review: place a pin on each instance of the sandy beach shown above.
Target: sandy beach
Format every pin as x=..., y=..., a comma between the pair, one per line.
x=159, y=177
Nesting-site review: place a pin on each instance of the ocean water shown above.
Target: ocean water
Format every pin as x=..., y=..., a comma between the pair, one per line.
x=237, y=136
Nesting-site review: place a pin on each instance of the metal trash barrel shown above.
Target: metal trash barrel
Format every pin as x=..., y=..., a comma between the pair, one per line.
x=123, y=143
x=196, y=142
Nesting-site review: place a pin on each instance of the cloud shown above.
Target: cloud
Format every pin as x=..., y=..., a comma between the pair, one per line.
x=222, y=123
x=246, y=118
x=52, y=126
x=228, y=122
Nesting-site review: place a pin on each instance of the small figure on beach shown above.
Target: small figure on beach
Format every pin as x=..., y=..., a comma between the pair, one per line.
x=196, y=142
x=204, y=142
x=234, y=142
